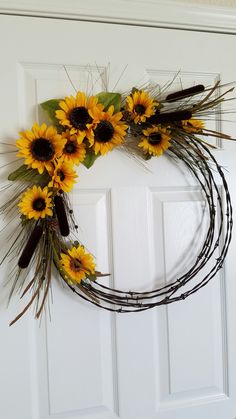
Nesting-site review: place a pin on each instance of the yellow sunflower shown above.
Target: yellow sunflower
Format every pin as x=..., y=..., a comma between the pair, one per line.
x=40, y=146
x=109, y=131
x=155, y=140
x=36, y=203
x=77, y=264
x=76, y=114
x=73, y=152
x=140, y=105
x=63, y=176
x=192, y=125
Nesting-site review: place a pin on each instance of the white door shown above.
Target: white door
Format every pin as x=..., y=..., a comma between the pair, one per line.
x=175, y=362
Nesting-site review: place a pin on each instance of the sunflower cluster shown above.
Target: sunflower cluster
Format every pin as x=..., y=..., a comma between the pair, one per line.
x=45, y=150
x=85, y=127
x=88, y=122
x=154, y=131
x=140, y=108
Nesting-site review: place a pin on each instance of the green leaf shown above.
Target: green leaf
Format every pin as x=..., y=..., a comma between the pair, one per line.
x=90, y=159
x=148, y=156
x=107, y=99
x=50, y=107
x=29, y=175
x=92, y=278
x=18, y=173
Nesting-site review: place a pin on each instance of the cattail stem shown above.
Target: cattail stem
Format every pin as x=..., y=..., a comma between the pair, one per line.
x=182, y=94
x=30, y=247
x=61, y=216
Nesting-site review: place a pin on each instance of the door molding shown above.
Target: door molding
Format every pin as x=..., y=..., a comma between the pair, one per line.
x=157, y=13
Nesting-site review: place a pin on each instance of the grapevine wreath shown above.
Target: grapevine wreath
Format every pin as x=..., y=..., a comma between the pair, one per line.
x=145, y=123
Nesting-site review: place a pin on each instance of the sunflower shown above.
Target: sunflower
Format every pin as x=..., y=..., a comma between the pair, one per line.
x=63, y=176
x=155, y=140
x=36, y=203
x=76, y=114
x=40, y=146
x=140, y=105
x=77, y=264
x=73, y=152
x=109, y=131
x=192, y=125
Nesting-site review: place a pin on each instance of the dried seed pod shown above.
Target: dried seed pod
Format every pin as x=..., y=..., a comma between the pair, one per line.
x=61, y=216
x=30, y=247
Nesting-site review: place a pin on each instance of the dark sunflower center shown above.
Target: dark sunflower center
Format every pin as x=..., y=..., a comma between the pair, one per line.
x=61, y=175
x=39, y=204
x=79, y=118
x=139, y=109
x=70, y=147
x=154, y=139
x=42, y=149
x=104, y=132
x=76, y=265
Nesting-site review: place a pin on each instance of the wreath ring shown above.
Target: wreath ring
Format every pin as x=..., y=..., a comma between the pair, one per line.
x=132, y=301
x=143, y=124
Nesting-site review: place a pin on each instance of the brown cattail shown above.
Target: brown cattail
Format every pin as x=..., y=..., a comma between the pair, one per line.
x=182, y=94
x=61, y=216
x=171, y=117
x=30, y=247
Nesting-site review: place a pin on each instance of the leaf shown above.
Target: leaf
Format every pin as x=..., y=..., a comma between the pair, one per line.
x=148, y=157
x=92, y=278
x=108, y=99
x=90, y=159
x=29, y=175
x=18, y=173
x=50, y=107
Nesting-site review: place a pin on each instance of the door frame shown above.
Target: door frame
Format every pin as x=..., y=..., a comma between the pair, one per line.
x=173, y=14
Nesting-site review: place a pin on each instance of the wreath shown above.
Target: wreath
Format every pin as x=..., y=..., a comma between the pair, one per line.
x=145, y=124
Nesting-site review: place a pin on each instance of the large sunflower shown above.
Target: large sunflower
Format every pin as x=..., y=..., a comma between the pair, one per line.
x=140, y=106
x=109, y=131
x=63, y=176
x=77, y=264
x=40, y=146
x=192, y=125
x=76, y=114
x=155, y=140
x=73, y=152
x=36, y=203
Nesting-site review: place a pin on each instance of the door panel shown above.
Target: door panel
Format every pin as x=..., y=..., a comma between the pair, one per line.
x=144, y=224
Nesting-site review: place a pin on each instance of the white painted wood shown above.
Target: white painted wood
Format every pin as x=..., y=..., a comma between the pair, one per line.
x=183, y=14
x=228, y=3
x=175, y=362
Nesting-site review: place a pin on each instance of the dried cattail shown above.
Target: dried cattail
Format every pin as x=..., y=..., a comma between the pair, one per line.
x=172, y=116
x=182, y=94
x=61, y=216
x=30, y=247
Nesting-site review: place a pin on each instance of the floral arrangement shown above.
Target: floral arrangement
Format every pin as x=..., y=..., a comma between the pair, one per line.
x=145, y=124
